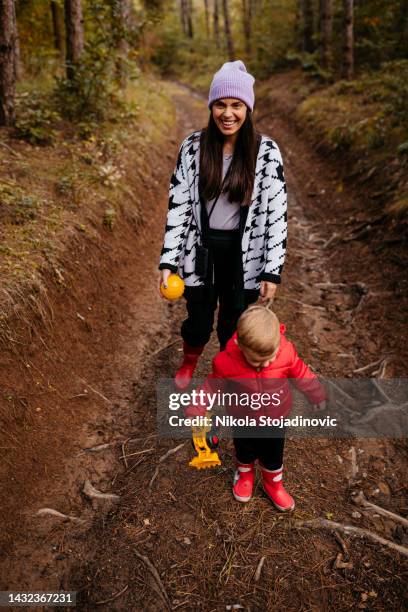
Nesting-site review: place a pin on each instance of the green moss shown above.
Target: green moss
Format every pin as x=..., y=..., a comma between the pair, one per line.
x=154, y=108
x=109, y=218
x=362, y=115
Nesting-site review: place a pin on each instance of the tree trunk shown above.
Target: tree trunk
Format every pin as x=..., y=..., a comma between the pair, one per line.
x=122, y=16
x=7, y=61
x=348, y=52
x=186, y=20
x=74, y=34
x=57, y=26
x=308, y=29
x=190, y=32
x=183, y=15
x=326, y=30
x=298, y=29
x=247, y=12
x=216, y=24
x=227, y=27
x=207, y=19
x=181, y=7
x=17, y=57
x=401, y=27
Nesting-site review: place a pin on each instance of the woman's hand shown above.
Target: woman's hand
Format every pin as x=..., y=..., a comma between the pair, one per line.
x=267, y=291
x=163, y=276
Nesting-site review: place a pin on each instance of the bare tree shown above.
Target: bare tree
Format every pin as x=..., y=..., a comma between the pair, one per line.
x=122, y=16
x=183, y=14
x=298, y=29
x=186, y=15
x=190, y=32
x=247, y=13
x=227, y=28
x=348, y=48
x=17, y=58
x=401, y=26
x=74, y=34
x=58, y=26
x=207, y=18
x=308, y=29
x=7, y=61
x=216, y=17
x=326, y=30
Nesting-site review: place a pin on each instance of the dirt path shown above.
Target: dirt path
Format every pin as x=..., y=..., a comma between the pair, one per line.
x=204, y=545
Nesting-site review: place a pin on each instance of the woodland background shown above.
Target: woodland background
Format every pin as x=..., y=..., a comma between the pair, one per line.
x=72, y=60
x=80, y=79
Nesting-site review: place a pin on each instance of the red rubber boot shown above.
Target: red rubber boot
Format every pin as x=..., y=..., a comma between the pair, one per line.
x=273, y=487
x=185, y=372
x=244, y=481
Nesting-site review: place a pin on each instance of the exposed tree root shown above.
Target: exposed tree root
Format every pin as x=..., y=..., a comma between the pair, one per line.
x=352, y=531
x=116, y=596
x=90, y=491
x=163, y=458
x=52, y=512
x=157, y=582
x=360, y=500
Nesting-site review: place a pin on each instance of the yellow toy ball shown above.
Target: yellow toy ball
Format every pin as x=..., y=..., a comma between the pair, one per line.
x=175, y=287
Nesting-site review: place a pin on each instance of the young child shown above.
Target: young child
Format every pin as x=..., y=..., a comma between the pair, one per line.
x=259, y=351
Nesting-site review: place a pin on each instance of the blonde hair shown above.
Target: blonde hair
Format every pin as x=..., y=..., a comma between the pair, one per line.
x=258, y=329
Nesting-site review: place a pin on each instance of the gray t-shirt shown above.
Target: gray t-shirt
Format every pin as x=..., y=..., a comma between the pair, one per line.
x=226, y=214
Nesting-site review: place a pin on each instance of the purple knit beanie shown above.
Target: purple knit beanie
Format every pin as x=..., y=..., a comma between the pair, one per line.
x=233, y=81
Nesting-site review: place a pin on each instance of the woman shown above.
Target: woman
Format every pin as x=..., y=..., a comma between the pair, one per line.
x=226, y=222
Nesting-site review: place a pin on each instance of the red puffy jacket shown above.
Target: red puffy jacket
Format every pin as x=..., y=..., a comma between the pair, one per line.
x=232, y=373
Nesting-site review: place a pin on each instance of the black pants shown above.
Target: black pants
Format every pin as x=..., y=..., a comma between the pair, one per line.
x=269, y=451
x=202, y=301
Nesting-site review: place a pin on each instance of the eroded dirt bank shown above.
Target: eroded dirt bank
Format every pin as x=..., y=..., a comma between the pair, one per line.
x=205, y=547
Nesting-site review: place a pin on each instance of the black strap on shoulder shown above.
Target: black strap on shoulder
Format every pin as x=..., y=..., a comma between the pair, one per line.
x=215, y=201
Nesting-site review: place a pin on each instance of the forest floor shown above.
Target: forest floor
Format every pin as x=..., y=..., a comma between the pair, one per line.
x=103, y=368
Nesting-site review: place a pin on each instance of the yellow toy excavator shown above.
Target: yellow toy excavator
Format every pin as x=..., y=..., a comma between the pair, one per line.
x=205, y=441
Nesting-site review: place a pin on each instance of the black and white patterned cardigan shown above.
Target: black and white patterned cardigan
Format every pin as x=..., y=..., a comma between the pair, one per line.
x=264, y=238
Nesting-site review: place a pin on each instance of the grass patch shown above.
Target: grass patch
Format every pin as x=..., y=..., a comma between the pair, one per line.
x=366, y=119
x=367, y=114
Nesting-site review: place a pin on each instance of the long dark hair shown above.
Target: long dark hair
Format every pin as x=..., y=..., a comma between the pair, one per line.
x=239, y=181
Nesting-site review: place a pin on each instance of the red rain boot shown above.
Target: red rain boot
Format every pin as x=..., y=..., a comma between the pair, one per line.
x=185, y=372
x=243, y=481
x=273, y=487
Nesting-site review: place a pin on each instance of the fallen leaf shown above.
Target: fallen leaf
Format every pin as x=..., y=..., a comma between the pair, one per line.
x=384, y=488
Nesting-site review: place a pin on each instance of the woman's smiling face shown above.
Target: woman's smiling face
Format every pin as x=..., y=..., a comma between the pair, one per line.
x=229, y=115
